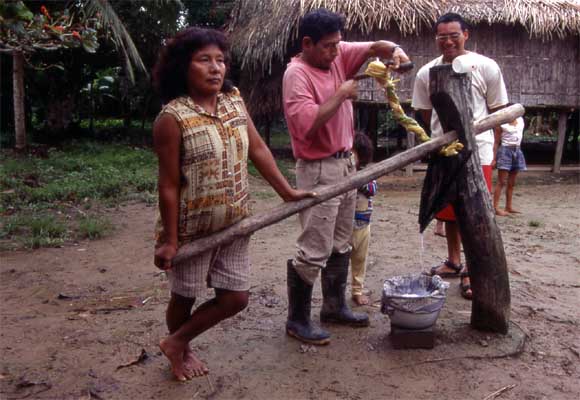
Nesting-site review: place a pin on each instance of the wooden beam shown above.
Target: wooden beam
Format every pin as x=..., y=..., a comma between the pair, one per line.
x=284, y=210
x=374, y=171
x=560, y=145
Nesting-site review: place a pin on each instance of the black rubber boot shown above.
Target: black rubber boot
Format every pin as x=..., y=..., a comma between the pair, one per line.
x=334, y=306
x=299, y=325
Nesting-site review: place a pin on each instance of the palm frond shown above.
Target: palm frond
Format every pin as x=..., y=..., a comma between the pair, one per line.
x=103, y=10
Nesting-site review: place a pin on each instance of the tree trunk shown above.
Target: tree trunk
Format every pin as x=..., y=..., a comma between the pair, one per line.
x=481, y=237
x=18, y=89
x=6, y=95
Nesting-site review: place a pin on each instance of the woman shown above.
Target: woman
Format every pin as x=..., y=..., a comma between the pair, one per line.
x=203, y=137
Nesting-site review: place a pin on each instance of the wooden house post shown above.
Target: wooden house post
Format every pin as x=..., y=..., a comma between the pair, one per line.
x=481, y=238
x=560, y=145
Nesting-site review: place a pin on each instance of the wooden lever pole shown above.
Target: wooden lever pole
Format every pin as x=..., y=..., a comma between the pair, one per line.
x=284, y=210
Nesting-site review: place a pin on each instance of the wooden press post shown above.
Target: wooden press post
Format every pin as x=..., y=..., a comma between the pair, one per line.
x=481, y=238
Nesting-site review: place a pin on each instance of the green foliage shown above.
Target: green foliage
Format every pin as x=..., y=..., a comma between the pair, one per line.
x=25, y=31
x=94, y=228
x=386, y=122
x=210, y=13
x=45, y=201
x=89, y=171
x=35, y=231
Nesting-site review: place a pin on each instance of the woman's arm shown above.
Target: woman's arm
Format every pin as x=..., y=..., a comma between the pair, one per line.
x=167, y=142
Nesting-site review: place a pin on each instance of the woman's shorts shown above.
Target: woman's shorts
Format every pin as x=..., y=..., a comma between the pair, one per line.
x=510, y=158
x=225, y=267
x=447, y=214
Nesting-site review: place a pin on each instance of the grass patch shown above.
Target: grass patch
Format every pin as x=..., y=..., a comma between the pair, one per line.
x=91, y=227
x=534, y=224
x=34, y=231
x=42, y=199
x=75, y=174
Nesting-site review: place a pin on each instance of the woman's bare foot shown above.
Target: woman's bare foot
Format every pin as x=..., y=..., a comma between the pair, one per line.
x=501, y=213
x=512, y=211
x=360, y=299
x=174, y=353
x=194, y=364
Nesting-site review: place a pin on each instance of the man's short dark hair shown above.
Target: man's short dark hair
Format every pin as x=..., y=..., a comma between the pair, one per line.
x=452, y=17
x=363, y=145
x=318, y=23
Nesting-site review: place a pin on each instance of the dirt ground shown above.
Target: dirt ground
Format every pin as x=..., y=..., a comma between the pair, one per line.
x=83, y=321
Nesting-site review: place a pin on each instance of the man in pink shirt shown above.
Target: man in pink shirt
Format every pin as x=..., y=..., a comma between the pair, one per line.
x=318, y=89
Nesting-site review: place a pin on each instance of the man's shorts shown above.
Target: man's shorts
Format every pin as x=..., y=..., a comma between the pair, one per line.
x=447, y=214
x=225, y=267
x=510, y=158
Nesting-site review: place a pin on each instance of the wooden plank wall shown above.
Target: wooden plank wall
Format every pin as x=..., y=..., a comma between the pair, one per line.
x=538, y=73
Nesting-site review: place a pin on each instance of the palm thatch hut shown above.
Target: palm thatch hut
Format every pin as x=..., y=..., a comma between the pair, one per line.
x=535, y=42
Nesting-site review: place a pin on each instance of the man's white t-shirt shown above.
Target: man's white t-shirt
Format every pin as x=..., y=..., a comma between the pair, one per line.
x=511, y=135
x=488, y=91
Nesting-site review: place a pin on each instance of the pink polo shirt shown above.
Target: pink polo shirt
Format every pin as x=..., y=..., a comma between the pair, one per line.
x=306, y=88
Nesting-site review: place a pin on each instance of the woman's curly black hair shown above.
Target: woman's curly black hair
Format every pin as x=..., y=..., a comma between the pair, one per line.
x=170, y=71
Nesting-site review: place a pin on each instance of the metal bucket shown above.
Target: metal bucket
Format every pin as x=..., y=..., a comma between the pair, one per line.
x=413, y=301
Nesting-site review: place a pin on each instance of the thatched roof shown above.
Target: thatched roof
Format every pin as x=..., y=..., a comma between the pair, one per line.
x=262, y=29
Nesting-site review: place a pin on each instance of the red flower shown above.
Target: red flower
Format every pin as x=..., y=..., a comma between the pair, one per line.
x=77, y=35
x=44, y=11
x=58, y=28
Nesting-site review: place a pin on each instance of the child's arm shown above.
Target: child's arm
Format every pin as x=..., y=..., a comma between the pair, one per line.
x=167, y=143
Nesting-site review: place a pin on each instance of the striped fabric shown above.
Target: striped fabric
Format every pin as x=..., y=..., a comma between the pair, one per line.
x=364, y=204
x=227, y=267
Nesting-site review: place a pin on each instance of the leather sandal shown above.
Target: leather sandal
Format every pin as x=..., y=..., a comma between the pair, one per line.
x=455, y=267
x=465, y=288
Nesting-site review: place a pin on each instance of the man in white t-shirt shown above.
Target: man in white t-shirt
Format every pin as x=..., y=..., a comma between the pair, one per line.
x=489, y=94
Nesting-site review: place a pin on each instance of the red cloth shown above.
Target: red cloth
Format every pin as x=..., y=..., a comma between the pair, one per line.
x=447, y=214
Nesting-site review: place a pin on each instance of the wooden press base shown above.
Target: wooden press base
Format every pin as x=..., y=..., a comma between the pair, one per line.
x=402, y=338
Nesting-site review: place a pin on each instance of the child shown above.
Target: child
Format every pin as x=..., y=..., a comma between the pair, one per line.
x=363, y=152
x=509, y=160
